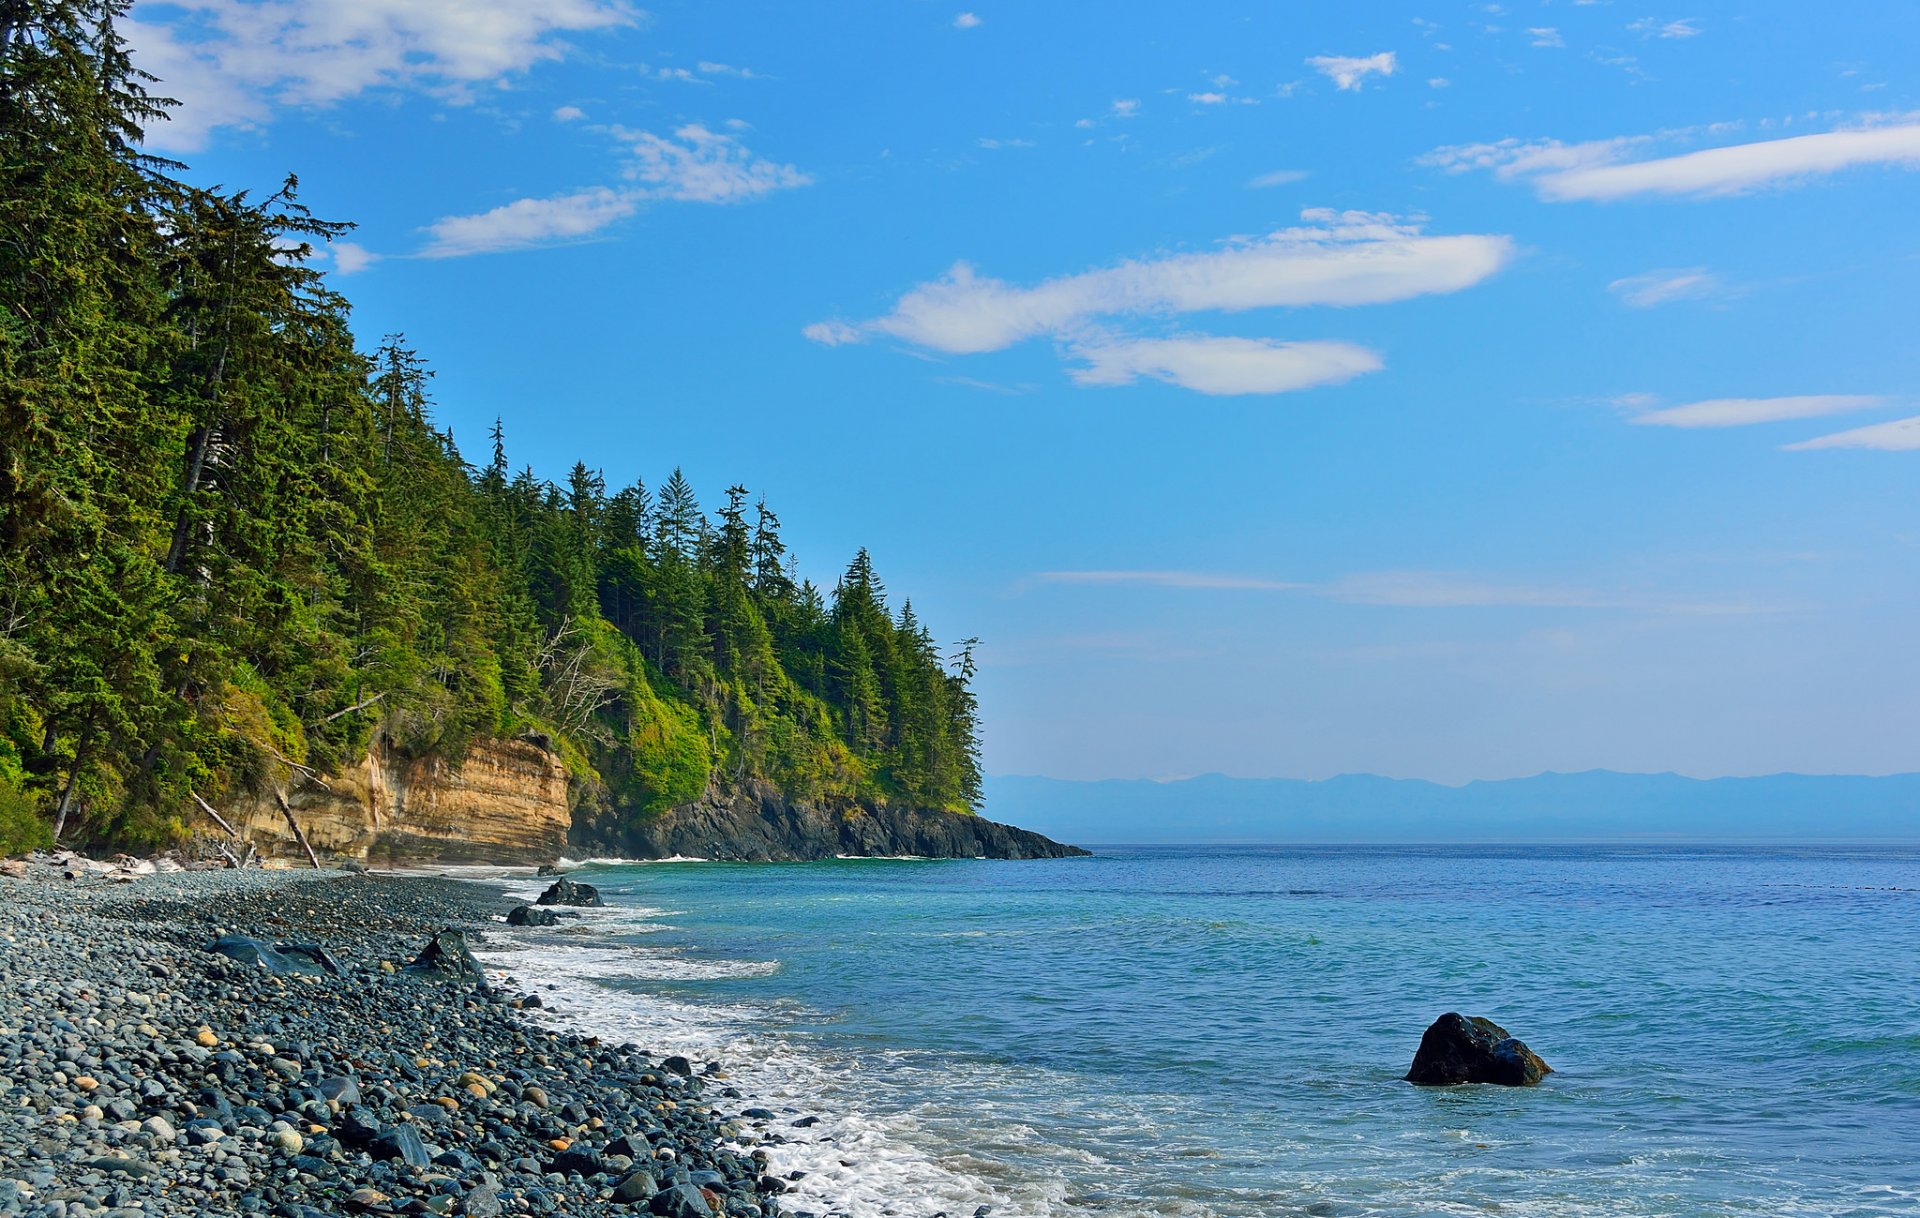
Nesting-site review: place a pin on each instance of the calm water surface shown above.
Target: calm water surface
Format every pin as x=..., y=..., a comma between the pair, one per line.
x=1220, y=1031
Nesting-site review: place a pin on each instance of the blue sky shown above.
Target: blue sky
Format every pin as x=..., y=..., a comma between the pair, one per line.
x=1440, y=390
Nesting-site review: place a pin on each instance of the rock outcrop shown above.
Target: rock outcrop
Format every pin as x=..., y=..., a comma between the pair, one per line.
x=505, y=803
x=508, y=802
x=756, y=822
x=1456, y=1049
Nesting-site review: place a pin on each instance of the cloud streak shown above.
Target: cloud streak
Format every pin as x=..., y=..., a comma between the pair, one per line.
x=1340, y=259
x=1898, y=436
x=529, y=222
x=1744, y=412
x=1603, y=171
x=1416, y=589
x=1333, y=259
x=693, y=165
x=1653, y=288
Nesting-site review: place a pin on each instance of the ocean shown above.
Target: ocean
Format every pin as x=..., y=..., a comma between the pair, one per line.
x=1205, y=1032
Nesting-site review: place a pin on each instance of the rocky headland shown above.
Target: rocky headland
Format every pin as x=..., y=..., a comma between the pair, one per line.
x=511, y=802
x=340, y=1053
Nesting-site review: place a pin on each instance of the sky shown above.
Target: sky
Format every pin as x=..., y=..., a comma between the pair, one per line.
x=1442, y=390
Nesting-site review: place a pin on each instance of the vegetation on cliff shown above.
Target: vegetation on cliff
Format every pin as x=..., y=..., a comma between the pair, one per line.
x=233, y=547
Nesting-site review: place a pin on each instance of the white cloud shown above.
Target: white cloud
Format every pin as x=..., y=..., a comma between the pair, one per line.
x=1600, y=171
x=350, y=259
x=1224, y=366
x=1414, y=590
x=231, y=61
x=1170, y=579
x=1350, y=73
x=1334, y=258
x=966, y=21
x=1650, y=288
x=1898, y=436
x=699, y=165
x=568, y=114
x=1741, y=412
x=1125, y=107
x=529, y=222
x=710, y=68
x=1345, y=258
x=1654, y=27
x=1207, y=99
x=1438, y=82
x=1546, y=36
x=1279, y=177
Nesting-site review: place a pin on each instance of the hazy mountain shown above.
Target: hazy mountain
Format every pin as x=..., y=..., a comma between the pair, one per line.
x=1367, y=808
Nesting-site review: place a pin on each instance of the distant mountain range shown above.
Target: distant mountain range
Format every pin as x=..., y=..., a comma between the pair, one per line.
x=1597, y=804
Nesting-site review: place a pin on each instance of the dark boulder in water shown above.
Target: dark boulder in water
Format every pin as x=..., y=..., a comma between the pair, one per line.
x=1456, y=1049
x=528, y=915
x=276, y=958
x=566, y=892
x=548, y=869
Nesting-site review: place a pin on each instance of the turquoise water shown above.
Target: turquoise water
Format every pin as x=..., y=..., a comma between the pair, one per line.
x=1216, y=1032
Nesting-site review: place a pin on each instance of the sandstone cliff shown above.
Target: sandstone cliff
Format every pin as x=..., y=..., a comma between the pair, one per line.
x=508, y=803
x=505, y=803
x=756, y=822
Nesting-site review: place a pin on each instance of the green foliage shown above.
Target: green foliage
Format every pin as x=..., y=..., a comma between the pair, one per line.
x=22, y=828
x=231, y=544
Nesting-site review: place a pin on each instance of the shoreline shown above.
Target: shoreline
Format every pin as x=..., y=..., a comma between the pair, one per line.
x=144, y=1074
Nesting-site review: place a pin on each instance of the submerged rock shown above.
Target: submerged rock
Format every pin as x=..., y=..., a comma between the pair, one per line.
x=566, y=892
x=1456, y=1049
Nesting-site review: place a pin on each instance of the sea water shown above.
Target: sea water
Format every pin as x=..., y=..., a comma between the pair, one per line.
x=1223, y=1031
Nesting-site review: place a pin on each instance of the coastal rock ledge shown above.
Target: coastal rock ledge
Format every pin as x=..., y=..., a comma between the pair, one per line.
x=758, y=823
x=1456, y=1049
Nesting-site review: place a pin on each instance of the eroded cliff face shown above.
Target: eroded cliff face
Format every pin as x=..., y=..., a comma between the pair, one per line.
x=505, y=803
x=757, y=822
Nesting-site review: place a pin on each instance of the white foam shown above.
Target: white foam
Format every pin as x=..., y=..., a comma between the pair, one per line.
x=863, y=1159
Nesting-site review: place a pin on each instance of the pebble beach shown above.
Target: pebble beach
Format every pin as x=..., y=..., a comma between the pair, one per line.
x=142, y=1073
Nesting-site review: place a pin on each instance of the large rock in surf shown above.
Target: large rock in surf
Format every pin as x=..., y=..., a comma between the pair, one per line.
x=1456, y=1049
x=566, y=892
x=527, y=915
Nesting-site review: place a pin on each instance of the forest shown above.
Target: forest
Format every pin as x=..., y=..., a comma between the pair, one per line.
x=233, y=542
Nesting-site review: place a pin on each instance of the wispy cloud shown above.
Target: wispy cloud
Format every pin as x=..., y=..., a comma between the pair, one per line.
x=1124, y=107
x=966, y=21
x=1279, y=177
x=1223, y=366
x=693, y=165
x=1171, y=579
x=529, y=222
x=1656, y=27
x=234, y=61
x=1545, y=36
x=1349, y=73
x=1898, y=436
x=1601, y=171
x=1335, y=258
x=568, y=114
x=1651, y=288
x=698, y=165
x=1417, y=589
x=351, y=259
x=1742, y=412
